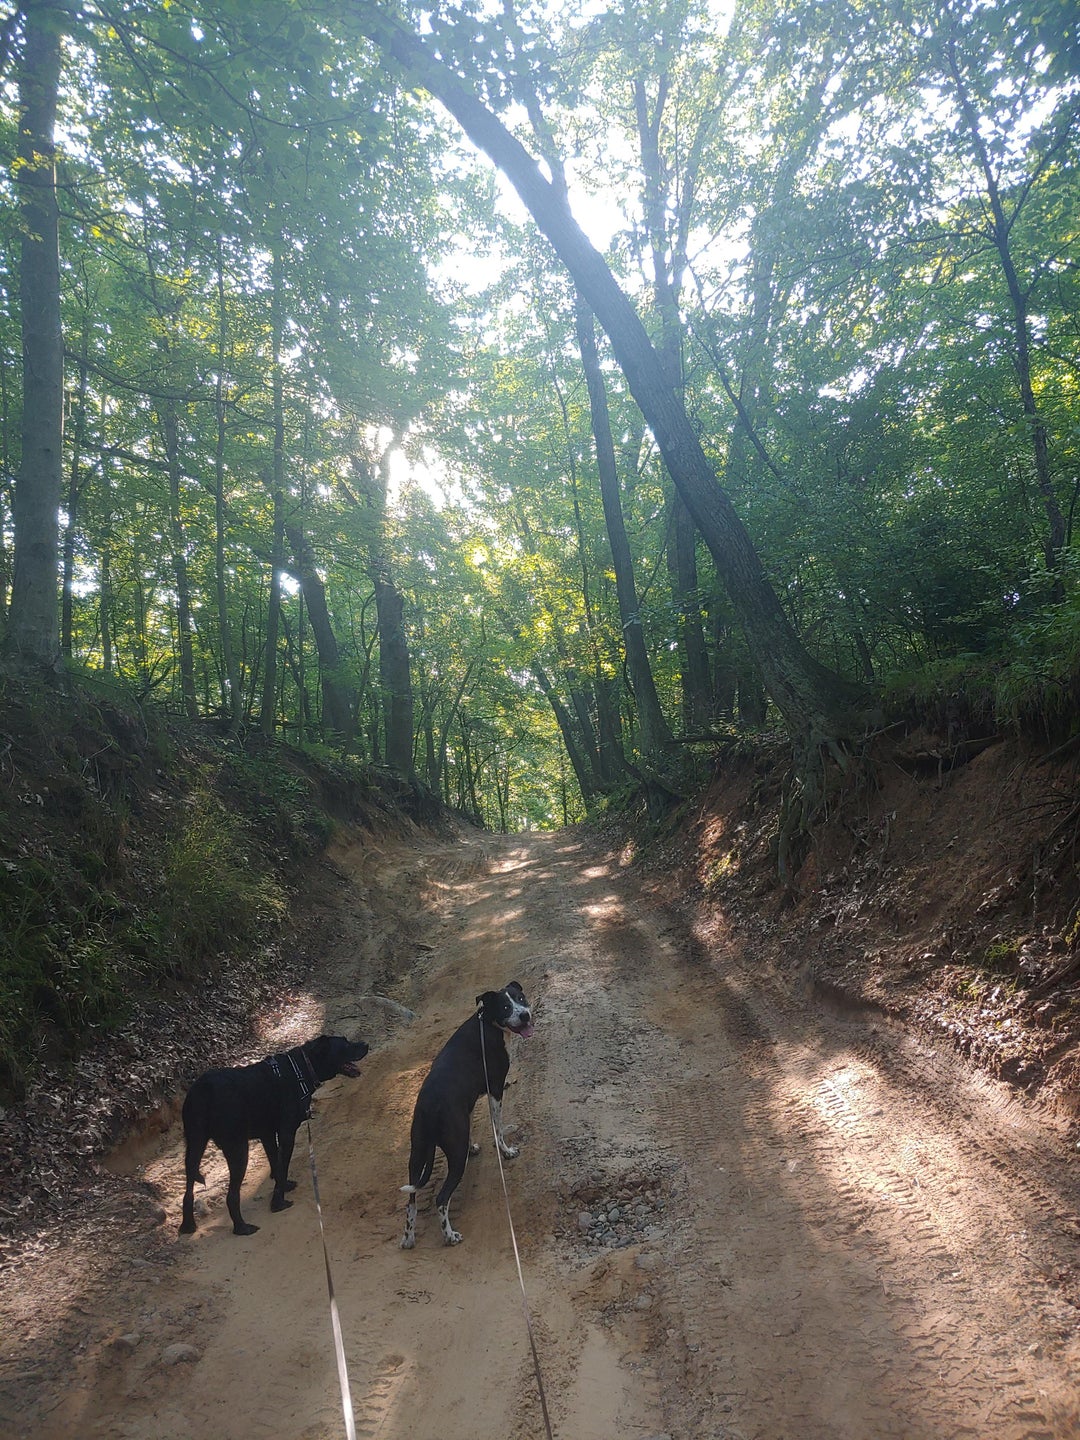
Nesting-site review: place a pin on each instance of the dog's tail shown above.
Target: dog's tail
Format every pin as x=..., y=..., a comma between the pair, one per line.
x=421, y=1164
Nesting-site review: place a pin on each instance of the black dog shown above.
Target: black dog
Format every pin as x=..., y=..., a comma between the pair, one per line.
x=474, y=1060
x=263, y=1102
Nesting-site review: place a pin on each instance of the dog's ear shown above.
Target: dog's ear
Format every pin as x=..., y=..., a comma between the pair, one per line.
x=487, y=1001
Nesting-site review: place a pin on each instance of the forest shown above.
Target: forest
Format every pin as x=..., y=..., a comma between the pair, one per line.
x=578, y=492
x=524, y=400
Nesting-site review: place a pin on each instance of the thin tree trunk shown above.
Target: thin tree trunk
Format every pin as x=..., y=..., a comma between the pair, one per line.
x=337, y=708
x=108, y=659
x=74, y=490
x=277, y=488
x=170, y=435
x=33, y=632
x=563, y=719
x=230, y=698
x=655, y=733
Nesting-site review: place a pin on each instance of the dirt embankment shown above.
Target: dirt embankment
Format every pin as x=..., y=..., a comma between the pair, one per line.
x=943, y=888
x=741, y=1213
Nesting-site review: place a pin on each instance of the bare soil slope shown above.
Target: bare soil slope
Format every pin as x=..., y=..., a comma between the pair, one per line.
x=739, y=1214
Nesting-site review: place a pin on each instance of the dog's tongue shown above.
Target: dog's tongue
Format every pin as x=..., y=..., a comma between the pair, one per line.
x=525, y=1031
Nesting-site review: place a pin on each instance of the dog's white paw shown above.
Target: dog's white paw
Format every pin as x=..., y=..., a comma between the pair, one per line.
x=408, y=1241
x=511, y=1151
x=474, y=1148
x=453, y=1237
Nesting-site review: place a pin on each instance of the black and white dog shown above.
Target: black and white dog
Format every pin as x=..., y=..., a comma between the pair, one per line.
x=265, y=1102
x=473, y=1061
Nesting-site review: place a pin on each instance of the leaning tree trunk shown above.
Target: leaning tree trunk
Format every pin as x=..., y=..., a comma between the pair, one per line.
x=815, y=703
x=33, y=632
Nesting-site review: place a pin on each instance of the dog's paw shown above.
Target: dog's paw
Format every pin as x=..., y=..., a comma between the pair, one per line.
x=474, y=1148
x=244, y=1229
x=511, y=1151
x=187, y=1228
x=408, y=1241
x=289, y=1185
x=452, y=1237
x=280, y=1203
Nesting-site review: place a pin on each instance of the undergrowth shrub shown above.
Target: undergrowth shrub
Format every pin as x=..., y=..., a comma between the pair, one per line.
x=215, y=893
x=68, y=965
x=1030, y=684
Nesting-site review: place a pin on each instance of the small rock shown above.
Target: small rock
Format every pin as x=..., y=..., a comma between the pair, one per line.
x=179, y=1354
x=614, y=1215
x=125, y=1344
x=643, y=1302
x=584, y=1220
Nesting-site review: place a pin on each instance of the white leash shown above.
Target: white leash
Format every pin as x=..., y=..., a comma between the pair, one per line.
x=335, y=1318
x=513, y=1241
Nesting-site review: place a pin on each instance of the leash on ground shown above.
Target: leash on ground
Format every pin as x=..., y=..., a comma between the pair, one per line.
x=335, y=1318
x=513, y=1241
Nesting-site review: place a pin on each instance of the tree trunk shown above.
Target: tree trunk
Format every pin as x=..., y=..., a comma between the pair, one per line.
x=654, y=728
x=815, y=703
x=609, y=728
x=33, y=632
x=563, y=719
x=74, y=490
x=230, y=678
x=170, y=436
x=277, y=488
x=337, y=709
x=395, y=679
x=682, y=563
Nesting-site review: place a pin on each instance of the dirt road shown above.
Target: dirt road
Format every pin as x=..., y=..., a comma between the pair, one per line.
x=739, y=1215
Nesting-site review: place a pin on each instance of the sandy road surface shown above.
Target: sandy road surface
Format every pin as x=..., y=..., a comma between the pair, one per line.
x=739, y=1215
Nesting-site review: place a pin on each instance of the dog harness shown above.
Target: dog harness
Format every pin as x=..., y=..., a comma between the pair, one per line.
x=307, y=1084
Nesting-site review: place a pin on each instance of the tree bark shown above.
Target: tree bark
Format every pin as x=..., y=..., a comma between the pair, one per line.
x=74, y=493
x=33, y=632
x=230, y=675
x=582, y=772
x=682, y=563
x=268, y=709
x=170, y=435
x=395, y=666
x=655, y=733
x=337, y=716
